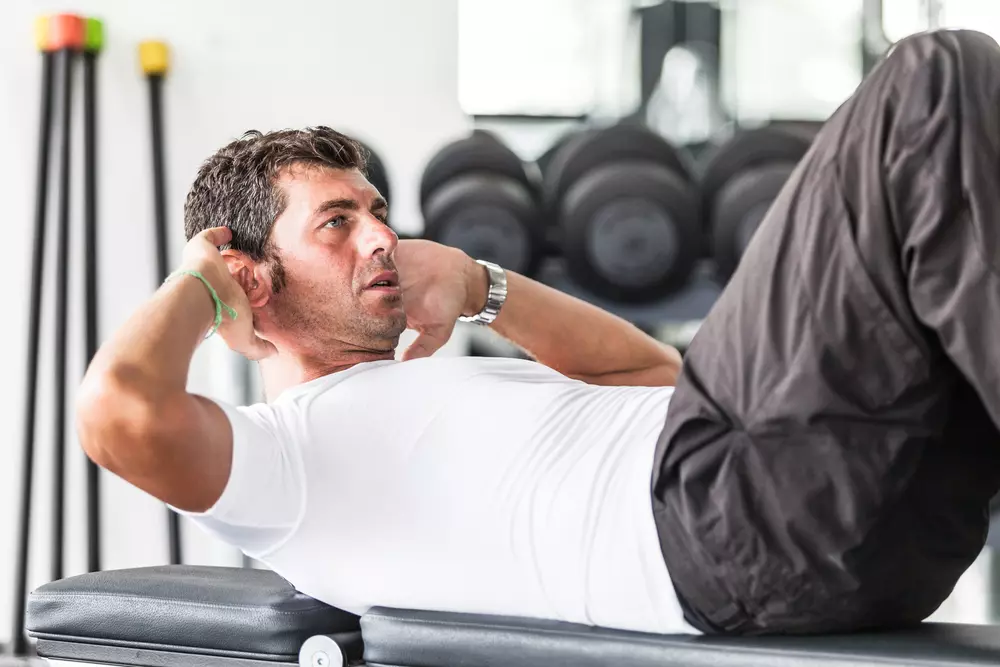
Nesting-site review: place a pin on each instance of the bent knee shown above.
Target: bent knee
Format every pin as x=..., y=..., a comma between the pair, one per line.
x=951, y=46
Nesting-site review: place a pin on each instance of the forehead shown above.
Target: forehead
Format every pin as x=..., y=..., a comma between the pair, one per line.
x=306, y=187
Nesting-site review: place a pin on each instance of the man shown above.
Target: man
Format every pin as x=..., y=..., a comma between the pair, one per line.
x=468, y=484
x=825, y=463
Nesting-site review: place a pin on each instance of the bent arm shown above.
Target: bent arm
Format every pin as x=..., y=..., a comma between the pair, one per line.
x=574, y=337
x=134, y=415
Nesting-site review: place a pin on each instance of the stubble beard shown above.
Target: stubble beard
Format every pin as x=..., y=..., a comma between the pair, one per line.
x=322, y=328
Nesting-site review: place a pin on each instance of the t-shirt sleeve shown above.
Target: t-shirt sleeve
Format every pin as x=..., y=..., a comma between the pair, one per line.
x=262, y=502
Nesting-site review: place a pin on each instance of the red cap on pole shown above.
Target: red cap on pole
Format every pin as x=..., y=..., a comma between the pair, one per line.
x=66, y=31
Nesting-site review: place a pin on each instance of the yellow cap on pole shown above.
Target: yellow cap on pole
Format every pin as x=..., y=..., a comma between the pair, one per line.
x=154, y=57
x=42, y=33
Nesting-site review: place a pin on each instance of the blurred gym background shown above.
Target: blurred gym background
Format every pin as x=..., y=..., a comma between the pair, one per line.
x=620, y=150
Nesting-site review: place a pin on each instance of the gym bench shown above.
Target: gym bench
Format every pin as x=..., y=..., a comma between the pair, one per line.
x=187, y=616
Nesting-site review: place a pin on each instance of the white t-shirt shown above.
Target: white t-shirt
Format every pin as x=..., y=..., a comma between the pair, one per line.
x=468, y=485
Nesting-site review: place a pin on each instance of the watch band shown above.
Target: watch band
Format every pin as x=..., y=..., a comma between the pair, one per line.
x=495, y=296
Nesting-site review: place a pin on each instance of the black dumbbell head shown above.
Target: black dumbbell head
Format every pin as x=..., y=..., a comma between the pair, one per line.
x=748, y=149
x=631, y=230
x=739, y=209
x=544, y=161
x=594, y=148
x=476, y=195
x=376, y=173
x=480, y=152
x=488, y=217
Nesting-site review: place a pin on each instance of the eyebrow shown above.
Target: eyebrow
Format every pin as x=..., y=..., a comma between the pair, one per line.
x=331, y=204
x=348, y=205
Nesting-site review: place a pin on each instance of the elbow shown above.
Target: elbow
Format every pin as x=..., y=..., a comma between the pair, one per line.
x=114, y=421
x=672, y=366
x=660, y=375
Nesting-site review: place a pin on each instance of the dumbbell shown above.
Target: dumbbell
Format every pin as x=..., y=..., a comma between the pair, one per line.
x=477, y=195
x=740, y=181
x=627, y=212
x=544, y=161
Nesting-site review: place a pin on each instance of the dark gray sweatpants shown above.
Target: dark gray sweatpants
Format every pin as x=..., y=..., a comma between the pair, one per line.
x=833, y=444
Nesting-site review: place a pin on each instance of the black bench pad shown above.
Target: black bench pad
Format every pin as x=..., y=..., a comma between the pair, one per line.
x=428, y=639
x=220, y=611
x=186, y=616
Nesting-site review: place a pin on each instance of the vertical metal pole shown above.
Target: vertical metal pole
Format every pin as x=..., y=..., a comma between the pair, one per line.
x=159, y=178
x=155, y=67
x=934, y=9
x=162, y=260
x=874, y=42
x=68, y=58
x=249, y=396
x=18, y=643
x=94, y=39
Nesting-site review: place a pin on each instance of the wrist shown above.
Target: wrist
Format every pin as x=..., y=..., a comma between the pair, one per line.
x=195, y=292
x=477, y=286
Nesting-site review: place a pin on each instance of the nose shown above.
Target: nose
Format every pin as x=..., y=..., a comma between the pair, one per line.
x=375, y=237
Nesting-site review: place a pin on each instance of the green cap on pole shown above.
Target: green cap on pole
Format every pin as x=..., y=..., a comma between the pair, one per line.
x=93, y=39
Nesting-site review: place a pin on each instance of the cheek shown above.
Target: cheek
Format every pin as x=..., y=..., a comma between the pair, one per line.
x=335, y=263
x=323, y=270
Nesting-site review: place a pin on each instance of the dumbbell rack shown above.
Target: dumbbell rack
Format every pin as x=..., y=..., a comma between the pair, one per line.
x=673, y=320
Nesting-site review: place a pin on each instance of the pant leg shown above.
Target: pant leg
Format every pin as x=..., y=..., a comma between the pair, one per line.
x=832, y=444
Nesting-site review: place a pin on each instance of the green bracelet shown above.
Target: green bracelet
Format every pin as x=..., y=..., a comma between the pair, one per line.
x=219, y=305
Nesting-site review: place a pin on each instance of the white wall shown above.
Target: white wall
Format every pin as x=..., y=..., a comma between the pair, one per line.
x=789, y=58
x=385, y=70
x=561, y=57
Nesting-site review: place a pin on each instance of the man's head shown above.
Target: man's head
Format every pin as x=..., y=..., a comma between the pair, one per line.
x=309, y=240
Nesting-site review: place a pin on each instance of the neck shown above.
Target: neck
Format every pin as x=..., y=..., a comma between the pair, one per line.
x=284, y=370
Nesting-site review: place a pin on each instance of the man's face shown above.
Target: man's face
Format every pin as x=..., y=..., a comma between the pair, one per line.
x=334, y=247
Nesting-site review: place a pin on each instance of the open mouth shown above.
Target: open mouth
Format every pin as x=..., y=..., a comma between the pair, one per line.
x=385, y=280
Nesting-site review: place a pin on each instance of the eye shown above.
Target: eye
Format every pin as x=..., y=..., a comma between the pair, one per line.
x=338, y=221
x=383, y=218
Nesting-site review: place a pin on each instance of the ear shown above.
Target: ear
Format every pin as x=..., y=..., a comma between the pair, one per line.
x=250, y=275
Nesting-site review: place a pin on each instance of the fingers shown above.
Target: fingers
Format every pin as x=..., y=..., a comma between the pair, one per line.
x=259, y=349
x=416, y=350
x=253, y=347
x=427, y=343
x=217, y=236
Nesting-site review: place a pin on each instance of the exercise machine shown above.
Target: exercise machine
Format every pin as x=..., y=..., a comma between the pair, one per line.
x=188, y=616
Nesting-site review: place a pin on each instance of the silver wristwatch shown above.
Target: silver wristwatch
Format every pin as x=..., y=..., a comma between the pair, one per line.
x=495, y=297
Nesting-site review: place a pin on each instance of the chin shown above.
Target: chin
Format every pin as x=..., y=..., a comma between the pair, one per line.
x=387, y=310
x=397, y=324
x=390, y=325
